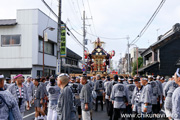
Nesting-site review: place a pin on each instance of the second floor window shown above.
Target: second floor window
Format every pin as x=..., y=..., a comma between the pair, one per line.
x=48, y=47
x=10, y=40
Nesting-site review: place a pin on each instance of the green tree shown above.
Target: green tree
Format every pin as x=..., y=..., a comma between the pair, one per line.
x=140, y=65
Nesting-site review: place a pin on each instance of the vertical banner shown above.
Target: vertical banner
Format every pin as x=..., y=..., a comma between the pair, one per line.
x=63, y=41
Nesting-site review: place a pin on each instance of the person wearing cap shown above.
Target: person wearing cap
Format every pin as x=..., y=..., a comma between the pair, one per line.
x=99, y=88
x=155, y=94
x=109, y=90
x=167, y=92
x=20, y=92
x=7, y=103
x=176, y=98
x=130, y=88
x=119, y=97
x=8, y=83
x=66, y=108
x=53, y=95
x=29, y=84
x=106, y=96
x=38, y=95
x=86, y=99
x=145, y=98
x=76, y=88
x=135, y=101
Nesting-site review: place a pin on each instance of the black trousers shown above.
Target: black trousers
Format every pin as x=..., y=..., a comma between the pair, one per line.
x=79, y=110
x=117, y=114
x=155, y=108
x=110, y=110
x=107, y=106
x=20, y=102
x=158, y=106
x=129, y=111
x=99, y=98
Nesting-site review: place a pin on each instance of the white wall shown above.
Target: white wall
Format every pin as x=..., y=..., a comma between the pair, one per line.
x=31, y=23
x=19, y=56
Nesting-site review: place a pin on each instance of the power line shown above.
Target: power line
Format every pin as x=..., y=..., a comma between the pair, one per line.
x=81, y=14
x=149, y=22
x=79, y=8
x=97, y=36
x=49, y=8
x=107, y=37
x=83, y=4
x=72, y=24
x=92, y=17
x=65, y=25
x=75, y=38
x=74, y=11
x=76, y=32
x=91, y=32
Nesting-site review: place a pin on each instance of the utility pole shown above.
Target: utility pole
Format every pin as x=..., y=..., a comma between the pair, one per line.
x=128, y=54
x=59, y=40
x=137, y=58
x=84, y=35
x=84, y=38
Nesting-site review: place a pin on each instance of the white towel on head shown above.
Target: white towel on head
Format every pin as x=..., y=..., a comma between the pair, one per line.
x=1, y=76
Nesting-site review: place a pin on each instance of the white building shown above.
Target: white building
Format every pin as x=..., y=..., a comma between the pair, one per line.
x=134, y=53
x=21, y=44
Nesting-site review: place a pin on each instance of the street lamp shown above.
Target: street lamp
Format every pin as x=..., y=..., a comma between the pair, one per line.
x=51, y=29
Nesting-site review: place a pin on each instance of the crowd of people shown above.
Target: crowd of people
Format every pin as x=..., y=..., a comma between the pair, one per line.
x=64, y=97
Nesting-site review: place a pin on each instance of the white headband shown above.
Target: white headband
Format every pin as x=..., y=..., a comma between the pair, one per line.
x=1, y=76
x=121, y=79
x=177, y=72
x=144, y=79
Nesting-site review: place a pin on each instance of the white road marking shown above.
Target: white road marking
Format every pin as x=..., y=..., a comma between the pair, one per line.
x=28, y=115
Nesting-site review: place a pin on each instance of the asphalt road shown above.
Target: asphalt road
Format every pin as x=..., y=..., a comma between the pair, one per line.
x=99, y=115
x=29, y=115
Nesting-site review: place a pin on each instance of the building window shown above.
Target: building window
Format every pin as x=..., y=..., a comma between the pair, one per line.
x=48, y=47
x=10, y=40
x=39, y=73
x=52, y=72
x=69, y=61
x=74, y=62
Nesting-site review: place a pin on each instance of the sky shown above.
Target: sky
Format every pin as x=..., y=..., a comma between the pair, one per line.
x=110, y=19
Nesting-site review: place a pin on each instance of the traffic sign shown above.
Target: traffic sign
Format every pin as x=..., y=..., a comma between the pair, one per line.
x=83, y=65
x=84, y=69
